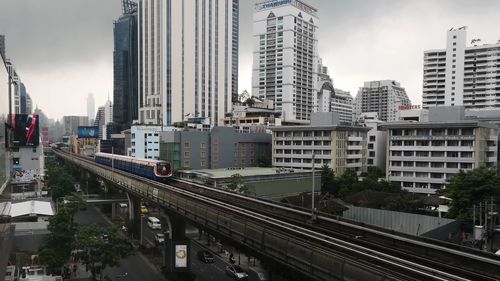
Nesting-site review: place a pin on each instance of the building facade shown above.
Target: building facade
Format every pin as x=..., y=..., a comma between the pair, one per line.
x=285, y=56
x=145, y=141
x=422, y=157
x=461, y=74
x=376, y=138
x=342, y=103
x=255, y=118
x=90, y=107
x=2, y=46
x=383, y=97
x=125, y=68
x=71, y=123
x=340, y=147
x=218, y=148
x=187, y=52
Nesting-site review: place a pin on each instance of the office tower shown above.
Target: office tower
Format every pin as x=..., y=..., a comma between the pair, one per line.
x=2, y=46
x=125, y=64
x=186, y=56
x=22, y=98
x=285, y=57
x=90, y=107
x=461, y=74
x=29, y=104
x=383, y=97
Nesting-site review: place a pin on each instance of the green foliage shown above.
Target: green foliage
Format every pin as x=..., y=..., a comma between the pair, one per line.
x=56, y=249
x=103, y=247
x=469, y=188
x=346, y=183
x=327, y=179
x=60, y=180
x=249, y=102
x=235, y=182
x=374, y=172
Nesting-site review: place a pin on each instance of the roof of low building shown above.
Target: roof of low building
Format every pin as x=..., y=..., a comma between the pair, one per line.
x=452, y=124
x=244, y=172
x=32, y=207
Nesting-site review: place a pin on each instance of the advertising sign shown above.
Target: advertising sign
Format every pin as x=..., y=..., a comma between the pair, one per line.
x=25, y=129
x=181, y=255
x=88, y=132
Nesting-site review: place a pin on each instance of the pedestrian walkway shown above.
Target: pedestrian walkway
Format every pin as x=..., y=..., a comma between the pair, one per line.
x=79, y=272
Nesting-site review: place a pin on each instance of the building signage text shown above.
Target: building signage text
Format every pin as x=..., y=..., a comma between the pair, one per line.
x=409, y=107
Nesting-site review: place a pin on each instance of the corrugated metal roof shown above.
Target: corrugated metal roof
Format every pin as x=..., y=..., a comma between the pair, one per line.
x=31, y=208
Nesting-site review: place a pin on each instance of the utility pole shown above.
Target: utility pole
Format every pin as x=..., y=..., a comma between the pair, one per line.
x=312, y=188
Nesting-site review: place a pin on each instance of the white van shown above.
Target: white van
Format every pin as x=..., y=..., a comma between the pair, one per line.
x=154, y=223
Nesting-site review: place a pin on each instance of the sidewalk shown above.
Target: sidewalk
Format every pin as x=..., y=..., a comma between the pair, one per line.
x=249, y=264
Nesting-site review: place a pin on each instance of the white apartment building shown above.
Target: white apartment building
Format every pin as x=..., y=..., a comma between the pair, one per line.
x=423, y=156
x=461, y=74
x=188, y=56
x=376, y=138
x=145, y=141
x=342, y=102
x=339, y=146
x=285, y=56
x=383, y=97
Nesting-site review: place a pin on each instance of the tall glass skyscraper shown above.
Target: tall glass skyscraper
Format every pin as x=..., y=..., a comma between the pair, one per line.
x=125, y=65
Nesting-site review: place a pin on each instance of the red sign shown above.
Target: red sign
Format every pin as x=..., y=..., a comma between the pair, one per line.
x=409, y=107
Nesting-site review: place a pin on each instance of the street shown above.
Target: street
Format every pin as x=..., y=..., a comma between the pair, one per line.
x=137, y=266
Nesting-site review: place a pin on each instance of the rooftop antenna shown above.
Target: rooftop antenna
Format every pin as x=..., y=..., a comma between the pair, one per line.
x=475, y=41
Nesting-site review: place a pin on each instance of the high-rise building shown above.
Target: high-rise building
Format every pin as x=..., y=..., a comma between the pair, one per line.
x=125, y=65
x=383, y=97
x=186, y=56
x=90, y=107
x=103, y=118
x=461, y=74
x=29, y=104
x=2, y=46
x=285, y=56
x=342, y=103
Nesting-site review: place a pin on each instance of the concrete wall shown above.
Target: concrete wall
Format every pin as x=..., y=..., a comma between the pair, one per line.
x=413, y=224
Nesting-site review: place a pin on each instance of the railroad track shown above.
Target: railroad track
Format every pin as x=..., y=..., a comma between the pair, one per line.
x=330, y=234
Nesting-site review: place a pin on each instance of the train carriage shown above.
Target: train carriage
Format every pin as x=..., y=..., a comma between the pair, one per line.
x=157, y=170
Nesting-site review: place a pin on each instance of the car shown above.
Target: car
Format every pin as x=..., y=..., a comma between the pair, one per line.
x=144, y=210
x=205, y=256
x=236, y=272
x=123, y=205
x=159, y=238
x=154, y=223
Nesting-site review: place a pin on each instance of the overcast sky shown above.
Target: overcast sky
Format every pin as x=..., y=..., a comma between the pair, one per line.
x=63, y=49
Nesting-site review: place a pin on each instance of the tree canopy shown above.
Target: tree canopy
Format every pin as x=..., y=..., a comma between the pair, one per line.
x=469, y=188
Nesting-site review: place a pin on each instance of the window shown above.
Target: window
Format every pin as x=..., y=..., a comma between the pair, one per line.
x=372, y=138
x=186, y=144
x=408, y=153
x=370, y=146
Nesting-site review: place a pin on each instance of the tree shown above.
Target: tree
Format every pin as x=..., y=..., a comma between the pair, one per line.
x=374, y=172
x=56, y=249
x=327, y=179
x=249, y=102
x=345, y=182
x=469, y=188
x=103, y=247
x=235, y=182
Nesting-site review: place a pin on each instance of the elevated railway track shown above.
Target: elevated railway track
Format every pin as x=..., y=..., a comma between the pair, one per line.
x=327, y=248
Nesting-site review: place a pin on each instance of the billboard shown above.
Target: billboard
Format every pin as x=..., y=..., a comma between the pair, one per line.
x=25, y=128
x=181, y=254
x=88, y=132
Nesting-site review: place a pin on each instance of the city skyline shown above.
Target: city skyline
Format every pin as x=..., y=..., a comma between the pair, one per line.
x=70, y=55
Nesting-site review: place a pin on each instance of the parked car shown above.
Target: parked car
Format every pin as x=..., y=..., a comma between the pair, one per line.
x=205, y=256
x=159, y=238
x=123, y=205
x=236, y=272
x=144, y=210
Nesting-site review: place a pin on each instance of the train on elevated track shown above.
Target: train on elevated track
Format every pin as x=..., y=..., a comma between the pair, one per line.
x=157, y=170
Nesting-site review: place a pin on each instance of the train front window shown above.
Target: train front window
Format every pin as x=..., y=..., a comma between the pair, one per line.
x=163, y=169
